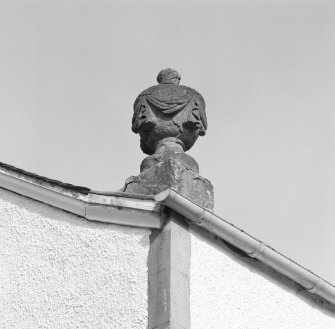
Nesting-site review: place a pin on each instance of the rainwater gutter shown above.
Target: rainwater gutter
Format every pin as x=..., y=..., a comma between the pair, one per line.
x=115, y=208
x=206, y=219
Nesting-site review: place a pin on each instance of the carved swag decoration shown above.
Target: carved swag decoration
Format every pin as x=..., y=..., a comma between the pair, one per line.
x=169, y=110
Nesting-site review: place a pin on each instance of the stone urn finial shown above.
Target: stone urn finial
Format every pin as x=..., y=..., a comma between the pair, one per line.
x=169, y=119
x=169, y=110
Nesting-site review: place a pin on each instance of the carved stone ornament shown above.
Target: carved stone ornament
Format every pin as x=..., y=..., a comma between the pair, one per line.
x=169, y=110
x=169, y=118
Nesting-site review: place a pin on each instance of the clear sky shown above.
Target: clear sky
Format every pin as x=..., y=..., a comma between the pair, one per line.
x=71, y=70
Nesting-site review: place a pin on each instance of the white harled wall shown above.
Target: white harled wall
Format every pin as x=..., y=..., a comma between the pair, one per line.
x=229, y=291
x=60, y=271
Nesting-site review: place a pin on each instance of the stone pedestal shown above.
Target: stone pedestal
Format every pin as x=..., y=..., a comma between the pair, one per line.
x=170, y=167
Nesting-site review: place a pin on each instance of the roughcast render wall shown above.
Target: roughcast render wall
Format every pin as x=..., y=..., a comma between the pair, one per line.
x=60, y=271
x=229, y=291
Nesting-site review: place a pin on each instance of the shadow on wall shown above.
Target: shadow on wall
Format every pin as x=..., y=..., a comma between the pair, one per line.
x=266, y=272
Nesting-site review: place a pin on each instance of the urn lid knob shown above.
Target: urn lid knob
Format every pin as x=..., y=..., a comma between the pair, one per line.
x=168, y=76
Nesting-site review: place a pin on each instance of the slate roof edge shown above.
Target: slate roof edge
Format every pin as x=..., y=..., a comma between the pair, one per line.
x=108, y=207
x=202, y=217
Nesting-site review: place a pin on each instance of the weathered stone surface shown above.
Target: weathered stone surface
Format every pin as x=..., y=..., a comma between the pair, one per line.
x=175, y=170
x=169, y=118
x=169, y=110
